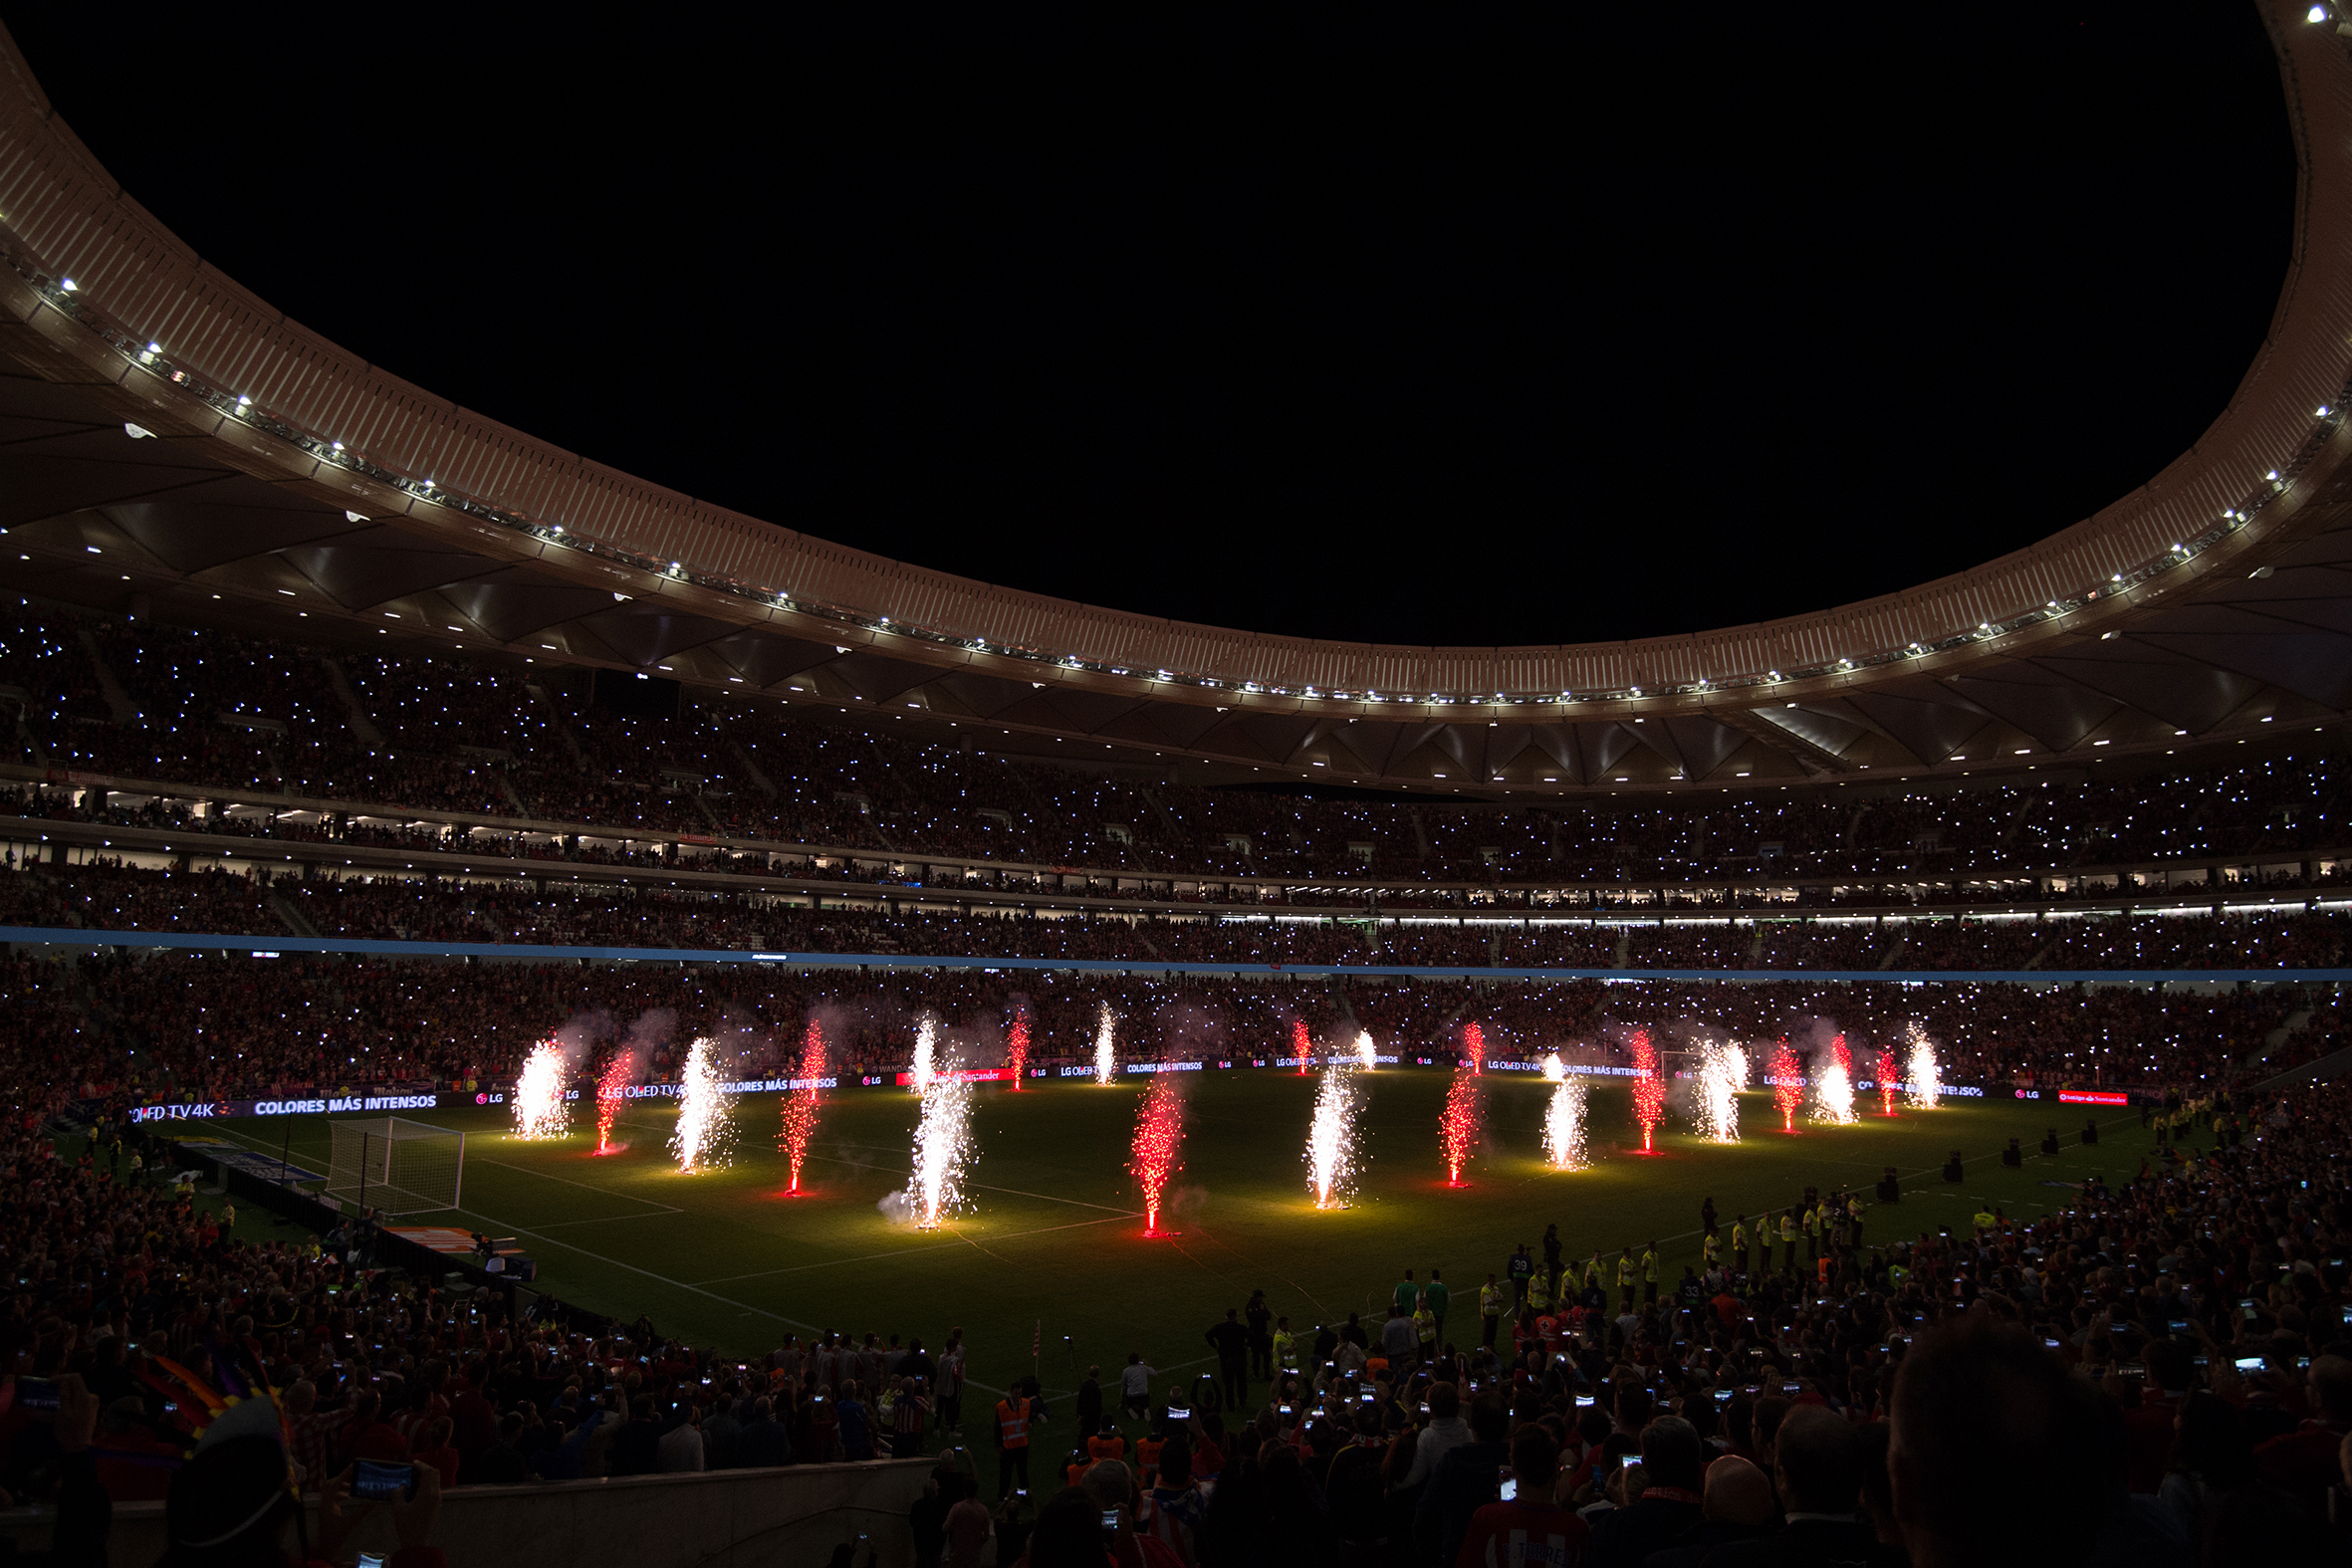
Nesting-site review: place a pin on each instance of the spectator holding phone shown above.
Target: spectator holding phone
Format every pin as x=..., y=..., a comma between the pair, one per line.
x=1525, y=1525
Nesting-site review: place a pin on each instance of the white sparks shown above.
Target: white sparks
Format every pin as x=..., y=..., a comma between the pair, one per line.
x=1564, y=1120
x=702, y=1137
x=1330, y=1141
x=1368, y=1054
x=1106, y=1053
x=1555, y=1069
x=1833, y=1095
x=1723, y=1073
x=926, y=1050
x=943, y=1140
x=1923, y=1089
x=540, y=1108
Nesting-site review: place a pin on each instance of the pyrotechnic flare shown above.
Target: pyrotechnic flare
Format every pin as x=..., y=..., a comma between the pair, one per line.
x=800, y=1105
x=1834, y=1096
x=539, y=1111
x=1330, y=1141
x=1887, y=1074
x=1925, y=1088
x=701, y=1138
x=1649, y=1089
x=1458, y=1125
x=943, y=1145
x=1723, y=1073
x=1474, y=1048
x=1159, y=1145
x=1302, y=1045
x=1788, y=1085
x=926, y=1048
x=1564, y=1118
x=1368, y=1054
x=1106, y=1055
x=1016, y=1049
x=620, y=1068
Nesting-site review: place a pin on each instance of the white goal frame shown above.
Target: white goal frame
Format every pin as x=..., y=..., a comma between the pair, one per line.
x=391, y=1164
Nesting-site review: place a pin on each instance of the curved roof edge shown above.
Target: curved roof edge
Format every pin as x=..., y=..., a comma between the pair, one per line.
x=69, y=216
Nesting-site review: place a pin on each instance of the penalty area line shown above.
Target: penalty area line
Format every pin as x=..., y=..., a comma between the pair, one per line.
x=977, y=1187
x=928, y=1247
x=590, y=1187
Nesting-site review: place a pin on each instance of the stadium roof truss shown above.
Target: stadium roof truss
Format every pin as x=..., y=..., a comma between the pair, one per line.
x=167, y=439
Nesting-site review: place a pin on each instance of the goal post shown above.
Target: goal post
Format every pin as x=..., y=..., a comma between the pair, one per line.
x=395, y=1165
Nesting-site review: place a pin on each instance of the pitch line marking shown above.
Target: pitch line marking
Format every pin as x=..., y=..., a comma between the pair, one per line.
x=610, y=1191
x=978, y=1186
x=933, y=1246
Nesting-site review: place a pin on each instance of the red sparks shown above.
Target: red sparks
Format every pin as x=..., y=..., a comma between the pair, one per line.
x=800, y=1106
x=1788, y=1089
x=609, y=1086
x=1016, y=1049
x=1302, y=1045
x=1159, y=1145
x=1886, y=1083
x=1474, y=1048
x=1458, y=1124
x=1649, y=1090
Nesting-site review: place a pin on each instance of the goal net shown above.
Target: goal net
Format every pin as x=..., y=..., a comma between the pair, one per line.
x=395, y=1165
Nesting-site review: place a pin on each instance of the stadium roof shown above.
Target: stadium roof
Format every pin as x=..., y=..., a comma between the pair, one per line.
x=167, y=439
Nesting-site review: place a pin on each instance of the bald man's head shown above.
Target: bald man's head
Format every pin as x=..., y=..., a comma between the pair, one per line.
x=1737, y=1493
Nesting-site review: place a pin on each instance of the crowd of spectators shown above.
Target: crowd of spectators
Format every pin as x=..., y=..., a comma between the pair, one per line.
x=205, y=1026
x=205, y=707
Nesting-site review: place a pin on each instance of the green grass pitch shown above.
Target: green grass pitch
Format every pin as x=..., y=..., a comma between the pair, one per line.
x=1052, y=1243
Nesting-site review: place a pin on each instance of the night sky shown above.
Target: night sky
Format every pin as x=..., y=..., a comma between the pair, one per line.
x=1416, y=328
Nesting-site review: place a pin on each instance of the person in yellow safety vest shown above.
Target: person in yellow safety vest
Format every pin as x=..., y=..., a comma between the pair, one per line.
x=1013, y=1413
x=1740, y=1244
x=1625, y=1273
x=1812, y=1224
x=1593, y=1270
x=1425, y=1329
x=1286, y=1345
x=1854, y=1223
x=1491, y=1299
x=1649, y=1273
x=1709, y=1251
x=1563, y=1288
x=1789, y=1237
x=1539, y=1291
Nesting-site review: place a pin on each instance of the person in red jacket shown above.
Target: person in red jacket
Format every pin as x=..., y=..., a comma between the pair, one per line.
x=1530, y=1530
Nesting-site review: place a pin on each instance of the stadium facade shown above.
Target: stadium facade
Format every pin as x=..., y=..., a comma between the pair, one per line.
x=175, y=445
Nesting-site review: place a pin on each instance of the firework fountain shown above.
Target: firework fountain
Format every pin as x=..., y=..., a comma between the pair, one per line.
x=539, y=1110
x=1886, y=1082
x=1368, y=1054
x=1564, y=1118
x=926, y=1052
x=620, y=1069
x=1649, y=1088
x=1159, y=1146
x=1474, y=1048
x=1833, y=1095
x=1302, y=1045
x=800, y=1105
x=1458, y=1125
x=1016, y=1048
x=1925, y=1086
x=1106, y=1051
x=1330, y=1141
x=1788, y=1085
x=703, y=1136
x=943, y=1147
x=1723, y=1073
